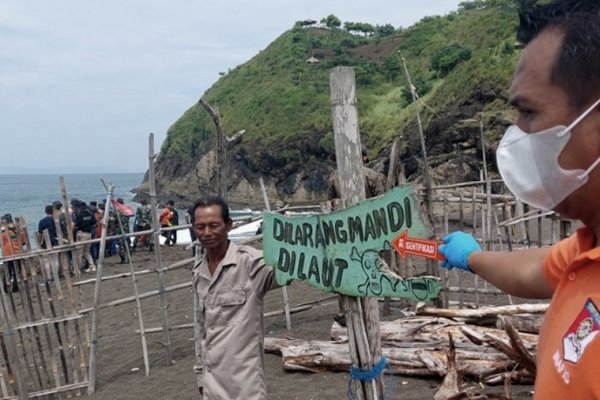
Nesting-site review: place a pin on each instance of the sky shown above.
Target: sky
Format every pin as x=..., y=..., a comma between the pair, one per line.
x=83, y=83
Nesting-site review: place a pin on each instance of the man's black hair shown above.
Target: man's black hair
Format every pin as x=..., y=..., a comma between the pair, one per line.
x=49, y=209
x=576, y=67
x=212, y=200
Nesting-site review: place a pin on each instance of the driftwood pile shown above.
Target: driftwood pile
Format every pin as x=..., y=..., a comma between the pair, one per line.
x=420, y=345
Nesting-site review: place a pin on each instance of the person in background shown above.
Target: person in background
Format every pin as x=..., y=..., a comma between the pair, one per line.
x=95, y=247
x=143, y=222
x=174, y=221
x=51, y=261
x=165, y=221
x=122, y=227
x=111, y=230
x=549, y=160
x=230, y=282
x=12, y=243
x=85, y=224
x=62, y=219
x=374, y=186
x=99, y=215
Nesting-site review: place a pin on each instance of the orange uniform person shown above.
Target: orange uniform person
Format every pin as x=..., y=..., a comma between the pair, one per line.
x=549, y=159
x=12, y=241
x=165, y=221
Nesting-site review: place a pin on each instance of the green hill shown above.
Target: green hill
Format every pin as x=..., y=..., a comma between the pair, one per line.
x=461, y=65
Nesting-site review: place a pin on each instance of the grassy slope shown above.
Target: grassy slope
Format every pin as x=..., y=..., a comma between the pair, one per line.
x=279, y=98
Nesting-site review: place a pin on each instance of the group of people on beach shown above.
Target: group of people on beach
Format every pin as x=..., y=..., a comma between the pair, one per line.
x=83, y=222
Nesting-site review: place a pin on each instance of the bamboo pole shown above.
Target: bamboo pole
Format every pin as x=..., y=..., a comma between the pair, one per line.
x=142, y=296
x=221, y=167
x=286, y=302
x=95, y=309
x=476, y=278
x=138, y=305
x=9, y=340
x=446, y=295
x=69, y=222
x=363, y=327
x=25, y=338
x=426, y=176
x=157, y=251
x=48, y=336
x=77, y=272
x=309, y=305
x=391, y=177
x=177, y=265
x=29, y=312
x=461, y=224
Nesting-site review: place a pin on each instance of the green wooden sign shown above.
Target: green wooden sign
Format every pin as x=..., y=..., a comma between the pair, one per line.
x=339, y=252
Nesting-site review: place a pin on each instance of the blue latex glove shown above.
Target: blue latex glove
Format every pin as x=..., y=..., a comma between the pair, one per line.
x=456, y=248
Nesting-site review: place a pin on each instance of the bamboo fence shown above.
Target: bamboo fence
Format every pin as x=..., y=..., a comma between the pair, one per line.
x=48, y=343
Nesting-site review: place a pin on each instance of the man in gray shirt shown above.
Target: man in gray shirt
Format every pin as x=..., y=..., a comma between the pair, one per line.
x=229, y=282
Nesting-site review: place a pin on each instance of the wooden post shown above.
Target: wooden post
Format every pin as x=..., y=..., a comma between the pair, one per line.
x=157, y=253
x=362, y=315
x=94, y=341
x=286, y=302
x=221, y=149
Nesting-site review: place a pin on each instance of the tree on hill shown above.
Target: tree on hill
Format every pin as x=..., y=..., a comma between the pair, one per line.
x=445, y=59
x=359, y=27
x=385, y=30
x=331, y=21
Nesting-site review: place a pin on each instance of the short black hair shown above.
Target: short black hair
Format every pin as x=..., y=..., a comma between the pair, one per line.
x=576, y=67
x=212, y=200
x=49, y=209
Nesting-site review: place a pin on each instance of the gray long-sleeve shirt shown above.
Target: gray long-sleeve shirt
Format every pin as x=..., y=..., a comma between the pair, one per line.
x=229, y=324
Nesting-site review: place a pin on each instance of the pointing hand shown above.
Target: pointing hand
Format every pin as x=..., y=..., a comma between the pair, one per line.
x=456, y=248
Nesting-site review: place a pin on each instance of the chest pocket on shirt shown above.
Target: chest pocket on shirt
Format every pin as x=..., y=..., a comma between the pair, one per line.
x=228, y=304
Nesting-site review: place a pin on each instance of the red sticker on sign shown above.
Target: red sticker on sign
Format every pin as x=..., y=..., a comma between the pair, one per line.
x=406, y=245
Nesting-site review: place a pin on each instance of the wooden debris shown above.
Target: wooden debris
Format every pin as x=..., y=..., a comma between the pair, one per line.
x=419, y=346
x=482, y=312
x=450, y=385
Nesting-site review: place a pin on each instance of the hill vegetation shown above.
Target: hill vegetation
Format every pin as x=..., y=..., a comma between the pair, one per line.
x=461, y=65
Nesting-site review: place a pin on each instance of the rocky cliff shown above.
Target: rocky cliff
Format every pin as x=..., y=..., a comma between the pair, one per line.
x=461, y=65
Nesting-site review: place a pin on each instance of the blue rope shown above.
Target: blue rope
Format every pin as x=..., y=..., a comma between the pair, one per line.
x=367, y=375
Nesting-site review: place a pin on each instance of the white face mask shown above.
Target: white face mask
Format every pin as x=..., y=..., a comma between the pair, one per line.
x=528, y=164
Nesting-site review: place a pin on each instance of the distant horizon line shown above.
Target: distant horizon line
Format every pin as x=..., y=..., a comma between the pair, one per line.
x=70, y=173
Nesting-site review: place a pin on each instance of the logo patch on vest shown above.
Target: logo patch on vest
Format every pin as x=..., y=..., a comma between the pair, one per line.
x=582, y=332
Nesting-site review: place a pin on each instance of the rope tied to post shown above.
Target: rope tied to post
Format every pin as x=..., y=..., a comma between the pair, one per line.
x=367, y=375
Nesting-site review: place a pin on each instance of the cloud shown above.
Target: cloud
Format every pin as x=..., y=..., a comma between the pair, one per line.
x=83, y=80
